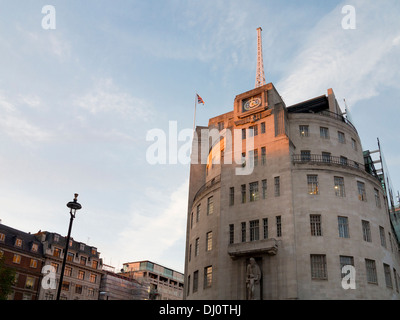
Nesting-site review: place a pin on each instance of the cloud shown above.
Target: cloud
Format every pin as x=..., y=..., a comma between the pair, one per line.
x=156, y=227
x=13, y=123
x=105, y=98
x=355, y=63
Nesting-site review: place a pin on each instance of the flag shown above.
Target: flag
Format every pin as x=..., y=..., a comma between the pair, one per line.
x=199, y=99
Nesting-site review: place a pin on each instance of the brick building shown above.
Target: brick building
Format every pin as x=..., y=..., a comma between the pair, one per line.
x=24, y=253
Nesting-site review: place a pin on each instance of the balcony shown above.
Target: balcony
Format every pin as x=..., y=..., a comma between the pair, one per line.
x=327, y=159
x=269, y=246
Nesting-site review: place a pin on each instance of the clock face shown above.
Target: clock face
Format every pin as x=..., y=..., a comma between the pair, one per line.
x=251, y=104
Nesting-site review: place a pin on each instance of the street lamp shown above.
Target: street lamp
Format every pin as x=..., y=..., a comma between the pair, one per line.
x=73, y=205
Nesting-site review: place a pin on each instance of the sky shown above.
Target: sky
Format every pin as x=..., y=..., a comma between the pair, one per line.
x=84, y=83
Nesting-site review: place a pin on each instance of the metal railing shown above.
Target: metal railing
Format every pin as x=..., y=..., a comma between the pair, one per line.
x=327, y=159
x=206, y=186
x=337, y=117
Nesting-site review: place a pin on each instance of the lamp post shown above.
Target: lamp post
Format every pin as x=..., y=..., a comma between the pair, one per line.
x=73, y=205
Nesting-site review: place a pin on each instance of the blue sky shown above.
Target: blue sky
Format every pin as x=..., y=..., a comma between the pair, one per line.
x=77, y=101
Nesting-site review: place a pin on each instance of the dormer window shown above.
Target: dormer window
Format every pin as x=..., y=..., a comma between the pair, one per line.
x=82, y=247
x=94, y=251
x=35, y=247
x=18, y=243
x=56, y=238
x=2, y=237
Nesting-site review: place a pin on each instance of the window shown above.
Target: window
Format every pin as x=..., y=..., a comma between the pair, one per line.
x=195, y=280
x=345, y=261
x=198, y=213
x=303, y=131
x=197, y=247
x=382, y=234
x=339, y=186
x=34, y=263
x=279, y=226
x=190, y=252
x=55, y=266
x=231, y=233
x=93, y=278
x=91, y=292
x=343, y=161
x=34, y=247
x=18, y=243
x=366, y=231
x=341, y=137
x=395, y=279
x=243, y=134
x=324, y=132
x=254, y=195
x=81, y=275
x=56, y=238
x=243, y=193
x=191, y=220
x=388, y=276
x=343, y=225
x=243, y=231
x=65, y=286
x=305, y=155
x=82, y=247
x=207, y=277
x=95, y=264
x=264, y=189
x=265, y=228
x=326, y=157
x=277, y=186
x=315, y=224
x=262, y=127
x=263, y=156
x=68, y=271
x=362, y=196
x=231, y=196
x=253, y=131
x=377, y=198
x=210, y=205
x=2, y=237
x=220, y=125
x=70, y=256
x=255, y=157
x=209, y=241
x=56, y=252
x=254, y=230
x=29, y=283
x=17, y=259
x=371, y=271
x=83, y=260
x=354, y=144
x=312, y=183
x=78, y=289
x=318, y=267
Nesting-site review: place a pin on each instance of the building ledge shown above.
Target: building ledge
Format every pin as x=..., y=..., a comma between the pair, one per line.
x=269, y=246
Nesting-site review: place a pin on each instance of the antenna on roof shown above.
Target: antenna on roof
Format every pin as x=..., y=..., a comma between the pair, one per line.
x=260, y=76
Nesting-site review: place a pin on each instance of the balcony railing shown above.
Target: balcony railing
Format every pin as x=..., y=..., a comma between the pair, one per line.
x=327, y=159
x=337, y=117
x=207, y=185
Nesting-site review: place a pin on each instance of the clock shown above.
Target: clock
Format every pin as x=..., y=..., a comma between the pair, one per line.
x=252, y=103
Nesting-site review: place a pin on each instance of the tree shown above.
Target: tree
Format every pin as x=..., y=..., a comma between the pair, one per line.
x=7, y=276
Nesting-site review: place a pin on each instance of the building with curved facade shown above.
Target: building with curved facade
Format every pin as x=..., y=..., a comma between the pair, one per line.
x=283, y=206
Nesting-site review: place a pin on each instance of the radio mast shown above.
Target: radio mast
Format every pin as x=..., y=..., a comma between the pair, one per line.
x=260, y=76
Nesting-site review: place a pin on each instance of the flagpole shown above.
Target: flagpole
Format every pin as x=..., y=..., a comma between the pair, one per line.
x=194, y=120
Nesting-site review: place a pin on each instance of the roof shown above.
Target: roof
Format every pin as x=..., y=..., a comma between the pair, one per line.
x=28, y=239
x=317, y=104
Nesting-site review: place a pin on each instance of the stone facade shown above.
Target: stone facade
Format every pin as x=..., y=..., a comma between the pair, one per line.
x=305, y=209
